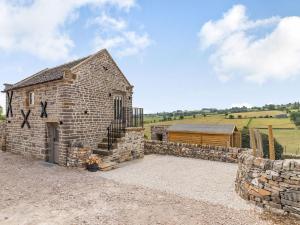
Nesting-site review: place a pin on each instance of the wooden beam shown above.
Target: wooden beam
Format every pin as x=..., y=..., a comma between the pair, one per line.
x=253, y=142
x=259, y=145
x=271, y=143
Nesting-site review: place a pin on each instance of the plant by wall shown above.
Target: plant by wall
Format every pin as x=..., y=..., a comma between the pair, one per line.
x=1, y=114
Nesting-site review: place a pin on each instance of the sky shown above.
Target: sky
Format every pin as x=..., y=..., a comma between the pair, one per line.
x=183, y=55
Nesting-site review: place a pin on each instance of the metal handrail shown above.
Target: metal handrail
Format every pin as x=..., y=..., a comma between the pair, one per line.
x=130, y=117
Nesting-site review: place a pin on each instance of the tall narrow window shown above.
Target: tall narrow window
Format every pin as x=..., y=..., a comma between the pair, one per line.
x=31, y=98
x=118, y=105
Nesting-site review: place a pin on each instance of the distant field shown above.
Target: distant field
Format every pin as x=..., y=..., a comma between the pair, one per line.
x=276, y=123
x=210, y=119
x=259, y=113
x=284, y=130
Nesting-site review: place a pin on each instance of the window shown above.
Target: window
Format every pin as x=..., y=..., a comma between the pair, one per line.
x=31, y=98
x=118, y=104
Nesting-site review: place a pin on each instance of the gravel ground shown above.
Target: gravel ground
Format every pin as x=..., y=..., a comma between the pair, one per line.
x=33, y=192
x=197, y=179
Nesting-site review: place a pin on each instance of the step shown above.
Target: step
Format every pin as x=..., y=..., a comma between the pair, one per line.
x=103, y=145
x=116, y=140
x=102, y=152
x=106, y=166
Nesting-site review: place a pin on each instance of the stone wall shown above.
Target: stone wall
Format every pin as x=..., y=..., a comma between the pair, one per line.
x=159, y=132
x=77, y=155
x=98, y=81
x=130, y=147
x=32, y=141
x=207, y=152
x=271, y=184
x=81, y=104
x=3, y=135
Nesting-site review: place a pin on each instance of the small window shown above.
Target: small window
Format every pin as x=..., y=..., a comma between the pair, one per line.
x=31, y=98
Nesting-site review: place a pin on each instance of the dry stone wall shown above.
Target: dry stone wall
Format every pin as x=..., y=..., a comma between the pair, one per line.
x=207, y=152
x=2, y=135
x=159, y=132
x=271, y=184
x=130, y=147
x=77, y=155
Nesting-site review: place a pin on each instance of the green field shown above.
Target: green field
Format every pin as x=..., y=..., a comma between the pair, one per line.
x=209, y=119
x=289, y=139
x=284, y=130
x=259, y=113
x=285, y=123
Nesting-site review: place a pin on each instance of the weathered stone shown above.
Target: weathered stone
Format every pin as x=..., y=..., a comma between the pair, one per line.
x=81, y=104
x=224, y=154
x=278, y=187
x=277, y=165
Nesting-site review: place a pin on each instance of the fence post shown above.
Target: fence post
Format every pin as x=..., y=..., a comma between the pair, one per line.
x=253, y=142
x=271, y=143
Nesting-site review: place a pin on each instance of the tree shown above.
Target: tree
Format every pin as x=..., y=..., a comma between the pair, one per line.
x=181, y=117
x=194, y=116
x=295, y=117
x=231, y=117
x=239, y=116
x=1, y=113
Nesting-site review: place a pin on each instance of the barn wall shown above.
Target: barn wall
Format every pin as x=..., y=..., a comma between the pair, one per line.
x=237, y=139
x=200, y=138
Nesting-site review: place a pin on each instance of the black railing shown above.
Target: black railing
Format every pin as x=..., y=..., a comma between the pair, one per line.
x=129, y=117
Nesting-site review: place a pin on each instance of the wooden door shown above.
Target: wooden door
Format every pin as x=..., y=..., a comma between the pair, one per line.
x=53, y=143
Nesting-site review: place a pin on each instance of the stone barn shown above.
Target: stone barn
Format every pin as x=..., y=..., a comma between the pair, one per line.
x=85, y=105
x=204, y=134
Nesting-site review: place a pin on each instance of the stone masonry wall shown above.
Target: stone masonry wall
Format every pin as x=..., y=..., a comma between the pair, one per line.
x=98, y=81
x=159, y=130
x=81, y=104
x=78, y=155
x=3, y=135
x=33, y=141
x=223, y=154
x=271, y=184
x=130, y=147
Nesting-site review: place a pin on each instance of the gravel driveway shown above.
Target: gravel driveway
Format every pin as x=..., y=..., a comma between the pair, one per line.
x=34, y=192
x=204, y=180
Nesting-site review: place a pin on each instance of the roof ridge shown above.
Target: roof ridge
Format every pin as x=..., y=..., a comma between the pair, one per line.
x=69, y=62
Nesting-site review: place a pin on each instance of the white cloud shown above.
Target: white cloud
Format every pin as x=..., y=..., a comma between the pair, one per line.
x=37, y=26
x=108, y=22
x=258, y=50
x=117, y=36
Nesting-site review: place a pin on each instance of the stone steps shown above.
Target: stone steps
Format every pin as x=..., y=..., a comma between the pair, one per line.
x=103, y=145
x=106, y=166
x=102, y=152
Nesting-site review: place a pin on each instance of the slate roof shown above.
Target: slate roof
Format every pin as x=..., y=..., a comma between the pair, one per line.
x=204, y=128
x=46, y=75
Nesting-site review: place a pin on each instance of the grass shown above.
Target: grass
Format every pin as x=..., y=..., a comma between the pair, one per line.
x=209, y=119
x=289, y=139
x=259, y=113
x=284, y=130
x=262, y=123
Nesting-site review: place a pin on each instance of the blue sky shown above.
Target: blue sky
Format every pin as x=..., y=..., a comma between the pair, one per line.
x=177, y=54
